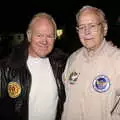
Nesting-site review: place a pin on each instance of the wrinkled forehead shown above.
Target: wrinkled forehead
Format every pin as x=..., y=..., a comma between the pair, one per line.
x=41, y=21
x=42, y=25
x=89, y=16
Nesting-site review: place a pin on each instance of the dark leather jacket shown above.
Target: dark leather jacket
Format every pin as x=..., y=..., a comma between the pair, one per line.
x=14, y=71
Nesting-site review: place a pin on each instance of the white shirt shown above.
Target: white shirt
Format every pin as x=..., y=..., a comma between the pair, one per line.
x=43, y=94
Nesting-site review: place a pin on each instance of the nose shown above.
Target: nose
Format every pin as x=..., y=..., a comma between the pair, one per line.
x=44, y=39
x=87, y=30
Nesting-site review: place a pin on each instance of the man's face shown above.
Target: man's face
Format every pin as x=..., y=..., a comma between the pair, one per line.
x=90, y=30
x=41, y=38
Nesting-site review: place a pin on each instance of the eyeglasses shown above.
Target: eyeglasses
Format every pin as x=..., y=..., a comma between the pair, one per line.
x=92, y=27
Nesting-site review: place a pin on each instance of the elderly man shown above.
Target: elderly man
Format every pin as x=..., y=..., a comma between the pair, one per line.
x=92, y=73
x=31, y=82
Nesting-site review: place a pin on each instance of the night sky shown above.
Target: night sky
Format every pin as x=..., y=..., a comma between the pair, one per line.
x=15, y=16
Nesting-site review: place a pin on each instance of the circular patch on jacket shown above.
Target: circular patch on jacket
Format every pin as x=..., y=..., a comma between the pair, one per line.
x=14, y=89
x=101, y=83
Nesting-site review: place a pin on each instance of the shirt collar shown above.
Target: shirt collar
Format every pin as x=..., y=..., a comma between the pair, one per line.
x=91, y=54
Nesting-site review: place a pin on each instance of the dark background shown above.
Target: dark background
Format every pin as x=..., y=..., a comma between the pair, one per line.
x=15, y=16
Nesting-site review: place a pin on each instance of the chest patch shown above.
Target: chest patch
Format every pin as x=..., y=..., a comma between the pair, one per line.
x=101, y=83
x=73, y=77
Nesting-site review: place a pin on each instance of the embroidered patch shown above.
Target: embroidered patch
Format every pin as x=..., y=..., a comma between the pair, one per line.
x=14, y=89
x=101, y=83
x=73, y=77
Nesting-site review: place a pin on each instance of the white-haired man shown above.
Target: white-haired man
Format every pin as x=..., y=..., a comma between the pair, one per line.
x=92, y=73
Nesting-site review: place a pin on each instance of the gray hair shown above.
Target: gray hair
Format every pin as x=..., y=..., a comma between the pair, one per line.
x=45, y=15
x=98, y=12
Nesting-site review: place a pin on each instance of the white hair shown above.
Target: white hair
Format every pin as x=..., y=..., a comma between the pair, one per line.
x=98, y=12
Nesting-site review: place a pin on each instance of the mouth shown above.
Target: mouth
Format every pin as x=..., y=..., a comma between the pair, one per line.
x=87, y=39
x=44, y=47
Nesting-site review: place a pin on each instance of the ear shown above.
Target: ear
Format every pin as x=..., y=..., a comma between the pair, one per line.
x=28, y=35
x=105, y=28
x=77, y=29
